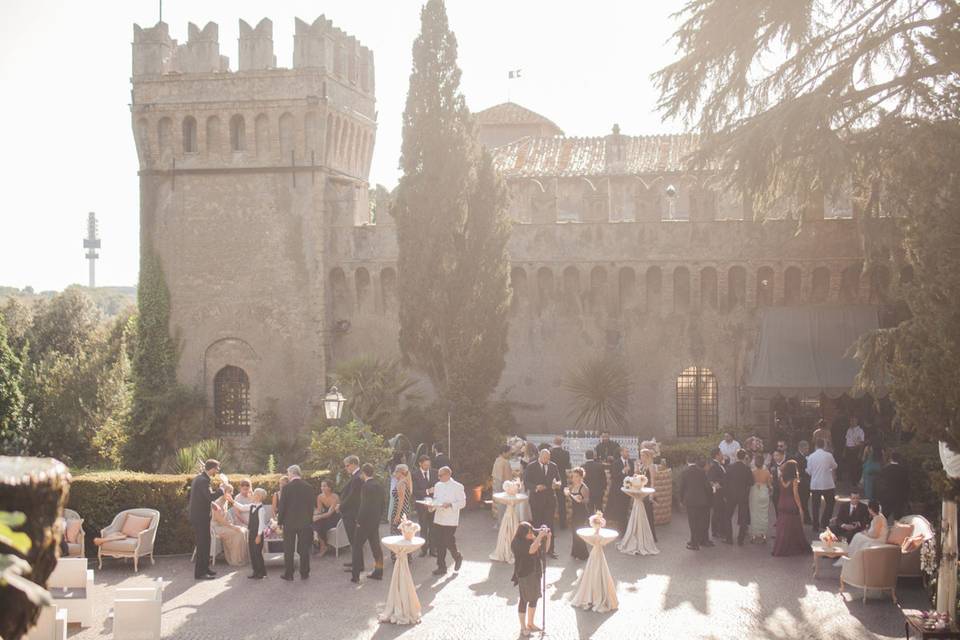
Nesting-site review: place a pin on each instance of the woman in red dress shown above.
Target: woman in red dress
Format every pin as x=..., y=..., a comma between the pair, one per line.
x=791, y=538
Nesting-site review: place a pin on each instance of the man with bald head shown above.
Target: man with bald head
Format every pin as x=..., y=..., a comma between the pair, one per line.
x=542, y=479
x=448, y=499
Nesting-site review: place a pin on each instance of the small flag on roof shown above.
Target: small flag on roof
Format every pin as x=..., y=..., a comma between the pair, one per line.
x=511, y=75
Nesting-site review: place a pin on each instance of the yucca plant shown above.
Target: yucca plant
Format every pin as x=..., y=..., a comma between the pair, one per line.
x=375, y=388
x=190, y=459
x=600, y=391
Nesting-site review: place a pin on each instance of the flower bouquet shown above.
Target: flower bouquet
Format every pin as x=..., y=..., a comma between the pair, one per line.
x=597, y=521
x=829, y=538
x=511, y=487
x=408, y=528
x=272, y=530
x=638, y=481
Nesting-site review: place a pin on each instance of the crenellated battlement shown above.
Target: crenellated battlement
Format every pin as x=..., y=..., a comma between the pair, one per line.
x=316, y=45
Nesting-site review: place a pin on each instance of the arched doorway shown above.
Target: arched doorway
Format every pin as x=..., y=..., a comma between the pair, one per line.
x=231, y=400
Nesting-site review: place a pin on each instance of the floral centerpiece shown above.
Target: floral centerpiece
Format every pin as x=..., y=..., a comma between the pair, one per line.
x=272, y=530
x=408, y=528
x=511, y=487
x=635, y=482
x=597, y=521
x=829, y=538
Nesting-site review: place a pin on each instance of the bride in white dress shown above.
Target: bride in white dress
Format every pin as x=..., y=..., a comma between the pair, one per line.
x=875, y=535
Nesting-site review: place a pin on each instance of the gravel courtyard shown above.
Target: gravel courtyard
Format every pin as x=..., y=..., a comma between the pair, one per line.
x=719, y=593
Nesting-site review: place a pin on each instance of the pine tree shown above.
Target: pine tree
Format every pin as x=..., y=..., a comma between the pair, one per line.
x=11, y=398
x=452, y=232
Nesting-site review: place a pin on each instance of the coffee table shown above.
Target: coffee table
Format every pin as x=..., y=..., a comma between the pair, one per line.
x=913, y=621
x=833, y=551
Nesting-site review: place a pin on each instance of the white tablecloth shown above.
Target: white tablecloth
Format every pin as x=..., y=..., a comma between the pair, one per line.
x=508, y=526
x=596, y=589
x=638, y=538
x=403, y=605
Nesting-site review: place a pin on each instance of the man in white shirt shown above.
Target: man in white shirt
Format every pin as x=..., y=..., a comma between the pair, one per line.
x=729, y=448
x=822, y=469
x=448, y=499
x=853, y=449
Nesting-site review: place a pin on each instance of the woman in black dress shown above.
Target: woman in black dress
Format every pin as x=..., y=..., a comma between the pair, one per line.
x=528, y=572
x=579, y=499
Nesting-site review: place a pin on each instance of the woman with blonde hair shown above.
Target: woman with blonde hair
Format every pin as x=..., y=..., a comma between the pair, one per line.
x=402, y=497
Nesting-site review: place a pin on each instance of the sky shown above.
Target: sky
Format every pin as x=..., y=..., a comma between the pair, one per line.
x=65, y=71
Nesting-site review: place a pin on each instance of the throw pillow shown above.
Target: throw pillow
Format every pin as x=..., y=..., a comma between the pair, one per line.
x=73, y=530
x=134, y=525
x=898, y=533
x=912, y=543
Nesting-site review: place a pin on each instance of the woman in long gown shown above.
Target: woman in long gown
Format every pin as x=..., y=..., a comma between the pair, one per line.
x=875, y=535
x=791, y=538
x=872, y=463
x=328, y=516
x=232, y=536
x=760, y=501
x=579, y=498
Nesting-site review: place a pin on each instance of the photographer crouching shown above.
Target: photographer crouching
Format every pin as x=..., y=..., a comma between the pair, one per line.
x=528, y=548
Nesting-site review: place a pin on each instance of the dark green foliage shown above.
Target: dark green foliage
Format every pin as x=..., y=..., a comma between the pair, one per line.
x=376, y=389
x=98, y=497
x=330, y=446
x=600, y=392
x=452, y=232
x=11, y=398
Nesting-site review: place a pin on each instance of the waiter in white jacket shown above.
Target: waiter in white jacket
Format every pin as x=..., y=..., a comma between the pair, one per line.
x=448, y=499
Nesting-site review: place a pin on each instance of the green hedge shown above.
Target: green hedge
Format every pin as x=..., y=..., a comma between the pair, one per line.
x=676, y=451
x=99, y=497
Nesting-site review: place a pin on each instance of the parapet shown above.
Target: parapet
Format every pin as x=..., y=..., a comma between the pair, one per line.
x=315, y=45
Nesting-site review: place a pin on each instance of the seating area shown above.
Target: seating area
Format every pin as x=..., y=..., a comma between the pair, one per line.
x=51, y=625
x=69, y=586
x=910, y=532
x=136, y=612
x=131, y=535
x=73, y=533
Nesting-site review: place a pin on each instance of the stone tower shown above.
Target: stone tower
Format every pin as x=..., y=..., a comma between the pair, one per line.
x=244, y=176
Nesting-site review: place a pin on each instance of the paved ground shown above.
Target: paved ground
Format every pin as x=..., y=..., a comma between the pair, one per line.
x=724, y=592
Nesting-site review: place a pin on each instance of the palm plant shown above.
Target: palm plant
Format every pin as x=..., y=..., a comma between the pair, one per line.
x=190, y=459
x=375, y=388
x=600, y=391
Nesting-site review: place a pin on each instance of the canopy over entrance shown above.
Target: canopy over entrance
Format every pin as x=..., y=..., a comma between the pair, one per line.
x=803, y=350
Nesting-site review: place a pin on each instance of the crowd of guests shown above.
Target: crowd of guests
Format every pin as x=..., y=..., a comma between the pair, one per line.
x=740, y=485
x=302, y=517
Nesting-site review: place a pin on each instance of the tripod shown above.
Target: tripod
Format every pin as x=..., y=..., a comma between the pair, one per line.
x=542, y=559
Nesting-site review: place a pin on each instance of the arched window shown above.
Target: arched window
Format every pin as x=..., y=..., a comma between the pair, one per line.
x=654, y=285
x=544, y=288
x=681, y=290
x=189, y=134
x=143, y=139
x=328, y=139
x=338, y=293
x=697, y=413
x=261, y=135
x=571, y=291
x=388, y=289
x=238, y=133
x=310, y=135
x=764, y=286
x=736, y=287
x=708, y=288
x=820, y=286
x=361, y=279
x=518, y=288
x=231, y=400
x=850, y=284
x=213, y=135
x=791, y=285
x=163, y=135
x=627, y=289
x=286, y=137
x=598, y=290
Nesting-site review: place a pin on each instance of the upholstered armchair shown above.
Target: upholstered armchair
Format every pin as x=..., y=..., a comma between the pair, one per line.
x=124, y=546
x=76, y=548
x=910, y=560
x=873, y=568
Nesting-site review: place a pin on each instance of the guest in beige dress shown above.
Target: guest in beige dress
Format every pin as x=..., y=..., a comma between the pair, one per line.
x=233, y=537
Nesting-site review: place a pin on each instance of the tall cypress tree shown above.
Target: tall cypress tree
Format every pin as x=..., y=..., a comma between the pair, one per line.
x=452, y=232
x=11, y=398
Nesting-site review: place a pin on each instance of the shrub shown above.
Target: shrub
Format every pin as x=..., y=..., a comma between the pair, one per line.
x=676, y=451
x=98, y=497
x=333, y=444
x=189, y=459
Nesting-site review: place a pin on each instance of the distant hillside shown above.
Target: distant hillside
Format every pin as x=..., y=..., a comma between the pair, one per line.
x=110, y=300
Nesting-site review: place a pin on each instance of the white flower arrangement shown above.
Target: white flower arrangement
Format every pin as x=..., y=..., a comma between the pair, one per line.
x=597, y=521
x=408, y=528
x=638, y=481
x=511, y=487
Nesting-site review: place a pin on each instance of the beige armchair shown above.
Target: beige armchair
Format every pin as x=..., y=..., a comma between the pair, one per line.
x=910, y=561
x=76, y=548
x=873, y=568
x=127, y=547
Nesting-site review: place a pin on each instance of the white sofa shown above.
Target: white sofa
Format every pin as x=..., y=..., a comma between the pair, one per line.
x=70, y=586
x=51, y=625
x=135, y=548
x=76, y=549
x=873, y=569
x=136, y=612
x=910, y=561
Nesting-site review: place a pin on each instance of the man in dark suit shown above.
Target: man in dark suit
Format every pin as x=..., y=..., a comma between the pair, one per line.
x=607, y=449
x=295, y=515
x=851, y=519
x=199, y=513
x=541, y=479
x=373, y=502
x=775, y=466
x=595, y=477
x=739, y=481
x=695, y=498
x=560, y=457
x=440, y=459
x=720, y=512
x=803, y=488
x=350, y=498
x=893, y=488
x=618, y=503
x=423, y=480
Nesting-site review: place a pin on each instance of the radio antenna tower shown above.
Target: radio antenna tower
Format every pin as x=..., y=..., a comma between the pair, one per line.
x=91, y=243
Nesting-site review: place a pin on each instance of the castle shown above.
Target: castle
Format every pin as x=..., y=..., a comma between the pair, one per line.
x=254, y=195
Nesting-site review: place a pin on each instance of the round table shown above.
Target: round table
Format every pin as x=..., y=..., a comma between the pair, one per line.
x=508, y=525
x=403, y=605
x=638, y=537
x=596, y=589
